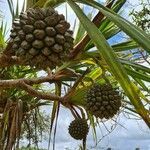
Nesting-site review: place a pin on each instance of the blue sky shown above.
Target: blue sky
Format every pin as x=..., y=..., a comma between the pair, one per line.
x=134, y=133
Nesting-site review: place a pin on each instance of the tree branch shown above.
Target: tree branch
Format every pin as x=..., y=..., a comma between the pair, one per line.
x=38, y=94
x=26, y=84
x=60, y=75
x=15, y=82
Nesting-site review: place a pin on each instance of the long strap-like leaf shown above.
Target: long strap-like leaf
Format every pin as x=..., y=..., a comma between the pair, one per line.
x=134, y=32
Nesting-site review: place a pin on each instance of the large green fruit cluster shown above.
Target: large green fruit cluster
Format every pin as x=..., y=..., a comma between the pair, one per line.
x=103, y=101
x=78, y=129
x=41, y=37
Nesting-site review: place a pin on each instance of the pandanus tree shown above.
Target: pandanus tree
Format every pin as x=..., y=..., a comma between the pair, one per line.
x=101, y=79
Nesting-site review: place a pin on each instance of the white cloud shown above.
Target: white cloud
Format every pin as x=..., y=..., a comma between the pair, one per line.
x=136, y=134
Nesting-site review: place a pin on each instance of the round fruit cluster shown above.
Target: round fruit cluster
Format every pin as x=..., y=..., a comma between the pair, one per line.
x=41, y=37
x=78, y=129
x=103, y=101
